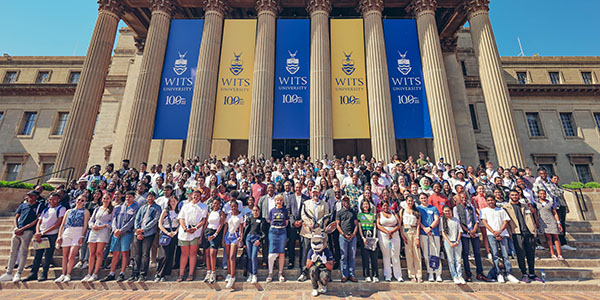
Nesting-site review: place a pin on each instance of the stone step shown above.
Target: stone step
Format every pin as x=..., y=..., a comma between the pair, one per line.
x=333, y=287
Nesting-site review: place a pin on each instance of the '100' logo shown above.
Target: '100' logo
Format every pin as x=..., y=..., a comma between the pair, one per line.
x=349, y=100
x=233, y=100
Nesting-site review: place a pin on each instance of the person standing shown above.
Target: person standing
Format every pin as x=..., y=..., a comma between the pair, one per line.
x=411, y=218
x=278, y=217
x=549, y=223
x=100, y=225
x=451, y=231
x=467, y=216
x=214, y=238
x=255, y=234
x=347, y=225
x=562, y=210
x=368, y=234
x=192, y=219
x=168, y=225
x=47, y=228
x=522, y=226
x=146, y=224
x=234, y=231
x=388, y=225
x=430, y=236
x=71, y=235
x=294, y=203
x=315, y=213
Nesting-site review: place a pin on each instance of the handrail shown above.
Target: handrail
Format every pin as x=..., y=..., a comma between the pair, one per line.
x=70, y=170
x=580, y=201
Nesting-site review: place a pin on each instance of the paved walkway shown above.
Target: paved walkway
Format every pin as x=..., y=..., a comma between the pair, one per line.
x=283, y=295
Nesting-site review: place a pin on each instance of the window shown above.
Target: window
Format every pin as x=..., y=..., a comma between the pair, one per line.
x=567, y=122
x=549, y=169
x=12, y=172
x=47, y=169
x=534, y=124
x=587, y=77
x=43, y=77
x=28, y=123
x=522, y=78
x=61, y=121
x=474, y=117
x=10, y=77
x=74, y=77
x=464, y=67
x=596, y=117
x=583, y=173
x=1, y=116
x=554, y=77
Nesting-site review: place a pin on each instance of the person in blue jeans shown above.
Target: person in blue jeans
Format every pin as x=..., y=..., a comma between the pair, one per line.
x=466, y=214
x=495, y=220
x=347, y=225
x=255, y=232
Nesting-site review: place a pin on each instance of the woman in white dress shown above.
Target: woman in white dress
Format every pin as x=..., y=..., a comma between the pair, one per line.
x=100, y=223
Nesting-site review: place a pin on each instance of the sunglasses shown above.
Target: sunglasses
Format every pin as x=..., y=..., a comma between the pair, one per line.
x=80, y=200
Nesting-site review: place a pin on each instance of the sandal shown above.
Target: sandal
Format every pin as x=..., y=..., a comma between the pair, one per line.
x=269, y=278
x=190, y=278
x=281, y=278
x=561, y=258
x=554, y=257
x=180, y=278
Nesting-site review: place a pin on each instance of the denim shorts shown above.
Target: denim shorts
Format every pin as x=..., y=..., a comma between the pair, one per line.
x=122, y=243
x=231, y=238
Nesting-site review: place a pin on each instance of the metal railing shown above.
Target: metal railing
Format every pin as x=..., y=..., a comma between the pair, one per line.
x=69, y=170
x=579, y=197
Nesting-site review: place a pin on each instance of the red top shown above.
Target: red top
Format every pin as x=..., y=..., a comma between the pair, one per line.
x=439, y=201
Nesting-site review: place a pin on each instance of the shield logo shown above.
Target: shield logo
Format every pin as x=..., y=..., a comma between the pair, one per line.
x=292, y=63
x=404, y=64
x=348, y=64
x=180, y=64
x=237, y=65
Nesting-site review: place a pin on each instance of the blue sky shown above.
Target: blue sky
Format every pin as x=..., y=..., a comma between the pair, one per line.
x=546, y=27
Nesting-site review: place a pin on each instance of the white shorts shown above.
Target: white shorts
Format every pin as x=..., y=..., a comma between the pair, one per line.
x=71, y=236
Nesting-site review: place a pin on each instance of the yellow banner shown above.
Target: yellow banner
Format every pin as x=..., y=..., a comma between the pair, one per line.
x=349, y=85
x=234, y=89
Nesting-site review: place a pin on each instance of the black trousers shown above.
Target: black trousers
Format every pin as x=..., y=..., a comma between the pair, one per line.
x=165, y=258
x=265, y=247
x=334, y=245
x=293, y=235
x=141, y=255
x=303, y=253
x=47, y=254
x=562, y=215
x=319, y=274
x=369, y=259
x=525, y=248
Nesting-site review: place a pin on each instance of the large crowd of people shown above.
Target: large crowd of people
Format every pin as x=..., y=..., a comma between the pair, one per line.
x=417, y=210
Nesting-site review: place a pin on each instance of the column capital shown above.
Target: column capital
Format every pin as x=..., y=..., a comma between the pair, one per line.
x=473, y=7
x=365, y=6
x=271, y=6
x=449, y=44
x=113, y=6
x=318, y=5
x=417, y=7
x=166, y=6
x=219, y=6
x=140, y=43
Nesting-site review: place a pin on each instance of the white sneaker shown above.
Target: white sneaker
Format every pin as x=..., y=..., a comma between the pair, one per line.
x=400, y=279
x=315, y=293
x=431, y=279
x=6, y=277
x=86, y=278
x=17, y=278
x=539, y=248
x=93, y=278
x=207, y=278
x=323, y=289
x=60, y=278
x=227, y=277
x=462, y=280
x=567, y=247
x=438, y=278
x=230, y=283
x=375, y=279
x=254, y=279
x=67, y=278
x=302, y=277
x=213, y=277
x=368, y=279
x=512, y=278
x=249, y=279
x=489, y=256
x=456, y=280
x=78, y=265
x=500, y=278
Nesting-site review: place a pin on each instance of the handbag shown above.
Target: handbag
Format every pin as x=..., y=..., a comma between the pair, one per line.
x=165, y=239
x=434, y=261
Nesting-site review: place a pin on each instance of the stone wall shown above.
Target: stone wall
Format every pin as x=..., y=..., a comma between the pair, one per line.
x=10, y=198
x=586, y=209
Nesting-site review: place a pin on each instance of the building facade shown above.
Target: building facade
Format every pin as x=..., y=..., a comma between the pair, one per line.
x=61, y=112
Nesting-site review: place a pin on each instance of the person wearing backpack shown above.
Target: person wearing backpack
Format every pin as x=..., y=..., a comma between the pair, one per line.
x=47, y=228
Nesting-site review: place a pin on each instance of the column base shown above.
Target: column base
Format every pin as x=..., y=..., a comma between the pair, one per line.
x=56, y=181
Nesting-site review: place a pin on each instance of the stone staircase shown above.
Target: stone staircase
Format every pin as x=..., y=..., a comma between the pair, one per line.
x=580, y=270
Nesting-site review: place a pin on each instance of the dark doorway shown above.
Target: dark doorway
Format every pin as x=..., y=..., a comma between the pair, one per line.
x=292, y=147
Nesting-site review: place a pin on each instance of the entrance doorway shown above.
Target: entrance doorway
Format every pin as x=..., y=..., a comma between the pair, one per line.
x=292, y=147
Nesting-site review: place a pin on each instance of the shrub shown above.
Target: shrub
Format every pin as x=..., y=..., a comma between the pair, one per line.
x=23, y=185
x=573, y=185
x=592, y=185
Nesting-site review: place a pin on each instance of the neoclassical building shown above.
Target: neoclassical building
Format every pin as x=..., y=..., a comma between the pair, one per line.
x=62, y=112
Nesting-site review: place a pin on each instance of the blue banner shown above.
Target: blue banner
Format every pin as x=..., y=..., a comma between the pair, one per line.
x=292, y=73
x=177, y=80
x=409, y=102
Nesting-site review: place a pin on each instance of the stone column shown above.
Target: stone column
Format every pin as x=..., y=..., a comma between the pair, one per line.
x=260, y=137
x=460, y=103
x=436, y=85
x=497, y=99
x=141, y=123
x=381, y=119
x=202, y=115
x=321, y=125
x=75, y=145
